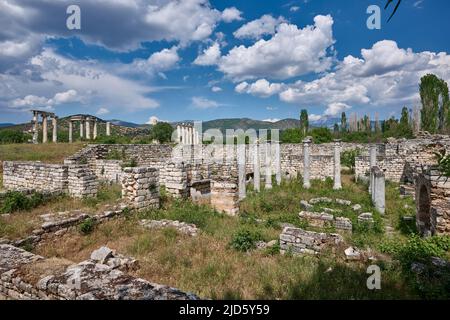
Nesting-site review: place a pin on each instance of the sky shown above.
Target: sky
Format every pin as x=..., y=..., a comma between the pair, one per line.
x=174, y=60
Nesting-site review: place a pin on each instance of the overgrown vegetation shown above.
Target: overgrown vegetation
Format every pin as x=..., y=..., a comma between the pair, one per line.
x=17, y=201
x=8, y=136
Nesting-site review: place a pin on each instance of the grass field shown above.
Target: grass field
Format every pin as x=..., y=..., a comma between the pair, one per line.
x=208, y=266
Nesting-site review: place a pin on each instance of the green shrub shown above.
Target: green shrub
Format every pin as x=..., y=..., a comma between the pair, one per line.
x=245, y=240
x=17, y=201
x=87, y=226
x=8, y=136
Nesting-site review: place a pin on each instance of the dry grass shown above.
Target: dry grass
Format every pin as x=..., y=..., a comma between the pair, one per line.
x=50, y=153
x=207, y=266
x=20, y=224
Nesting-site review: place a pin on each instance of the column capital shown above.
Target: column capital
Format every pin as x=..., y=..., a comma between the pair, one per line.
x=307, y=140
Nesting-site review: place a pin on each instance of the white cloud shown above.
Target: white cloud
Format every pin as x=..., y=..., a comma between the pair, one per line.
x=266, y=25
x=294, y=9
x=204, y=103
x=336, y=108
x=231, y=14
x=156, y=64
x=216, y=89
x=33, y=101
x=272, y=120
x=314, y=117
x=290, y=52
x=210, y=56
x=385, y=76
x=153, y=120
x=260, y=88
x=102, y=111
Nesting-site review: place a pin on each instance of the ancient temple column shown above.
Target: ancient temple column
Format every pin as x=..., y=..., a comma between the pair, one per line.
x=35, y=127
x=268, y=166
x=44, y=129
x=81, y=129
x=55, y=129
x=373, y=163
x=95, y=129
x=196, y=137
x=241, y=169
x=179, y=135
x=337, y=165
x=70, y=131
x=306, y=163
x=277, y=162
x=189, y=136
x=256, y=168
x=379, y=189
x=108, y=129
x=88, y=129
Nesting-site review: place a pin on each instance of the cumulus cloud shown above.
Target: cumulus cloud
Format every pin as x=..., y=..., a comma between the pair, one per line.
x=231, y=14
x=156, y=64
x=216, y=89
x=266, y=25
x=102, y=111
x=204, y=103
x=272, y=120
x=103, y=21
x=385, y=75
x=260, y=88
x=314, y=117
x=210, y=56
x=33, y=101
x=290, y=52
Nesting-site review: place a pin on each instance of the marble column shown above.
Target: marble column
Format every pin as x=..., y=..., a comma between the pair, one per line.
x=108, y=129
x=306, y=163
x=256, y=168
x=95, y=129
x=373, y=163
x=70, y=131
x=179, y=135
x=88, y=129
x=276, y=147
x=55, y=129
x=81, y=129
x=241, y=169
x=35, y=127
x=44, y=129
x=337, y=165
x=379, y=190
x=268, y=166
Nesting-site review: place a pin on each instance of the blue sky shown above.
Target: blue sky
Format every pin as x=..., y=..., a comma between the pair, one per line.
x=201, y=60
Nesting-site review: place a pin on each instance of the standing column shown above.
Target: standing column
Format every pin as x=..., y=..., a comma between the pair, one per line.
x=379, y=190
x=256, y=168
x=108, y=129
x=95, y=129
x=35, y=127
x=277, y=162
x=81, y=129
x=190, y=135
x=55, y=129
x=268, y=166
x=373, y=163
x=88, y=129
x=179, y=135
x=70, y=131
x=44, y=129
x=337, y=165
x=306, y=163
x=241, y=168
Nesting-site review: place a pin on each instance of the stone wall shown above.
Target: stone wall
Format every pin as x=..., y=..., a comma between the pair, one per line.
x=109, y=170
x=299, y=241
x=82, y=182
x=225, y=188
x=432, y=202
x=41, y=177
x=176, y=180
x=26, y=276
x=140, y=188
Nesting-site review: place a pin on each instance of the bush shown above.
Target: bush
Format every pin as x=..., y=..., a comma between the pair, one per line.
x=245, y=240
x=17, y=201
x=348, y=158
x=87, y=226
x=13, y=136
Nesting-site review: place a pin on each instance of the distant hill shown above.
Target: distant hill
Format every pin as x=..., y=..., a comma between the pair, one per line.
x=4, y=125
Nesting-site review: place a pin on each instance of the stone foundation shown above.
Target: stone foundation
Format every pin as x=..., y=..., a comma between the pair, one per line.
x=140, y=188
x=82, y=182
x=26, y=276
x=299, y=241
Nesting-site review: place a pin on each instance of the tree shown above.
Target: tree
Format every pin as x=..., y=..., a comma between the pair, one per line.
x=404, y=127
x=343, y=122
x=304, y=122
x=162, y=132
x=336, y=128
x=435, y=104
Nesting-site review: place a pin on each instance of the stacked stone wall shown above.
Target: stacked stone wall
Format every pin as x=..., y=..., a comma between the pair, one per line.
x=140, y=188
x=82, y=182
